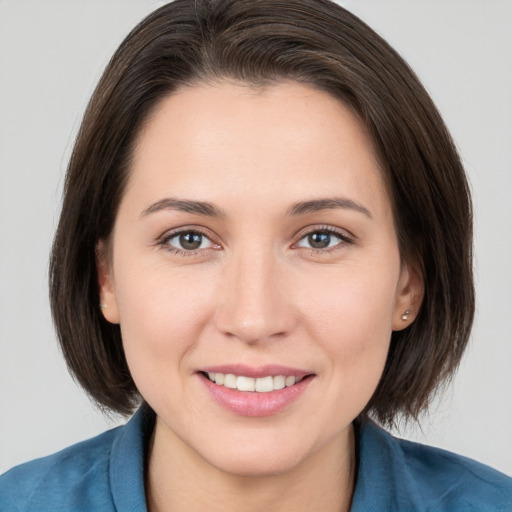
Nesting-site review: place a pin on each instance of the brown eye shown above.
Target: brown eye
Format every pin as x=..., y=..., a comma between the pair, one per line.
x=188, y=241
x=319, y=240
x=322, y=239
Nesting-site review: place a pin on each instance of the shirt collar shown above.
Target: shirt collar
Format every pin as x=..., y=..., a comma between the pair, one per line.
x=383, y=481
x=128, y=462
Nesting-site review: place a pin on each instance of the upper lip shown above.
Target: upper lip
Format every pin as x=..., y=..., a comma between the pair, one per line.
x=257, y=371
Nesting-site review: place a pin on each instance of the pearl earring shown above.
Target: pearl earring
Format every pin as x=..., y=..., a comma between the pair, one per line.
x=405, y=315
x=103, y=306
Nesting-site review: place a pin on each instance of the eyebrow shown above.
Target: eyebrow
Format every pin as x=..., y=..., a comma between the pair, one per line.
x=331, y=203
x=184, y=205
x=210, y=210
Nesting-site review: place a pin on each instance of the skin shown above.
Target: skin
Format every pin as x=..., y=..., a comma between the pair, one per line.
x=255, y=292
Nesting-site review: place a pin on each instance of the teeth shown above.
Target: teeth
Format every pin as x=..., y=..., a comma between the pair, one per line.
x=265, y=384
x=289, y=381
x=260, y=385
x=230, y=381
x=245, y=384
x=279, y=382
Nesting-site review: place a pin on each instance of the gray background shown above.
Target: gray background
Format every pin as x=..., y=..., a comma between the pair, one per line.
x=52, y=54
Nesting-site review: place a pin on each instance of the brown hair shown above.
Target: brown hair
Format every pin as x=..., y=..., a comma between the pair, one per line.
x=261, y=42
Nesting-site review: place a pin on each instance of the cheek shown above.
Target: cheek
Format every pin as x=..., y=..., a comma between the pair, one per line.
x=350, y=317
x=162, y=315
x=350, y=303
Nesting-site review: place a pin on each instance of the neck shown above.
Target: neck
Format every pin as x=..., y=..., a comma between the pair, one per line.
x=178, y=479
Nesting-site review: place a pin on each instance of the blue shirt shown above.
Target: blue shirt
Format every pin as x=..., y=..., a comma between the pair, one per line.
x=106, y=474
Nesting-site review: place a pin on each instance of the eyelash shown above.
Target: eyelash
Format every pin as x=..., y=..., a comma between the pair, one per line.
x=344, y=239
x=164, y=241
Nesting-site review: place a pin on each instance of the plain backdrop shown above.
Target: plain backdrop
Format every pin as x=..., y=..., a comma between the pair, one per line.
x=51, y=56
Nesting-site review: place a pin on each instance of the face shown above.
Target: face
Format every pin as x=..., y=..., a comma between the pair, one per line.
x=255, y=273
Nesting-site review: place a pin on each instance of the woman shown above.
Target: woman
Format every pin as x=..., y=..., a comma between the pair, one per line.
x=265, y=240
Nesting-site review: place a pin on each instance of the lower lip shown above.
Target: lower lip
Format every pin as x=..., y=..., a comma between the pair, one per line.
x=250, y=403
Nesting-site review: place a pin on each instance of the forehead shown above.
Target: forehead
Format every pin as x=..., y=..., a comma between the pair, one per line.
x=224, y=139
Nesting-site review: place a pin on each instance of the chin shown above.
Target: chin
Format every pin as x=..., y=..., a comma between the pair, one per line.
x=256, y=463
x=257, y=452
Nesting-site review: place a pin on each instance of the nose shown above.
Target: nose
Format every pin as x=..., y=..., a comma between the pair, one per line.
x=255, y=304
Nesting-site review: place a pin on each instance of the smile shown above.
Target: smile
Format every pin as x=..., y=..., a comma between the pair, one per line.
x=255, y=392
x=258, y=385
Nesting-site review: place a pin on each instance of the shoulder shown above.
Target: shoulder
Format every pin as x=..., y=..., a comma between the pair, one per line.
x=457, y=480
x=105, y=473
x=435, y=479
x=74, y=478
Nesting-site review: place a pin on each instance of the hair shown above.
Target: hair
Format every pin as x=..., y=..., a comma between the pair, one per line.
x=262, y=42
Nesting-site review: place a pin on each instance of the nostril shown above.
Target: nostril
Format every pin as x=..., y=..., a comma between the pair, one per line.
x=255, y=314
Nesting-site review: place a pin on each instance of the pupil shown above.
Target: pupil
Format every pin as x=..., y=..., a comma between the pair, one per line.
x=319, y=240
x=190, y=241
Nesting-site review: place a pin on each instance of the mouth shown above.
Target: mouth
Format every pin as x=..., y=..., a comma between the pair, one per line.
x=255, y=392
x=265, y=384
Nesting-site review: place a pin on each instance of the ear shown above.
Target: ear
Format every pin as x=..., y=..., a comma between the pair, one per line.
x=107, y=298
x=409, y=296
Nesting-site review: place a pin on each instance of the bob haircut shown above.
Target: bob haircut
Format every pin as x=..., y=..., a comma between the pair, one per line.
x=259, y=43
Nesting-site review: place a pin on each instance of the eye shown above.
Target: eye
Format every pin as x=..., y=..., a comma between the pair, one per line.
x=187, y=241
x=323, y=239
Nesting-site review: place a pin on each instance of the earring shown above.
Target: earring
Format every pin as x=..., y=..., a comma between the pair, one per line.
x=405, y=315
x=103, y=306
